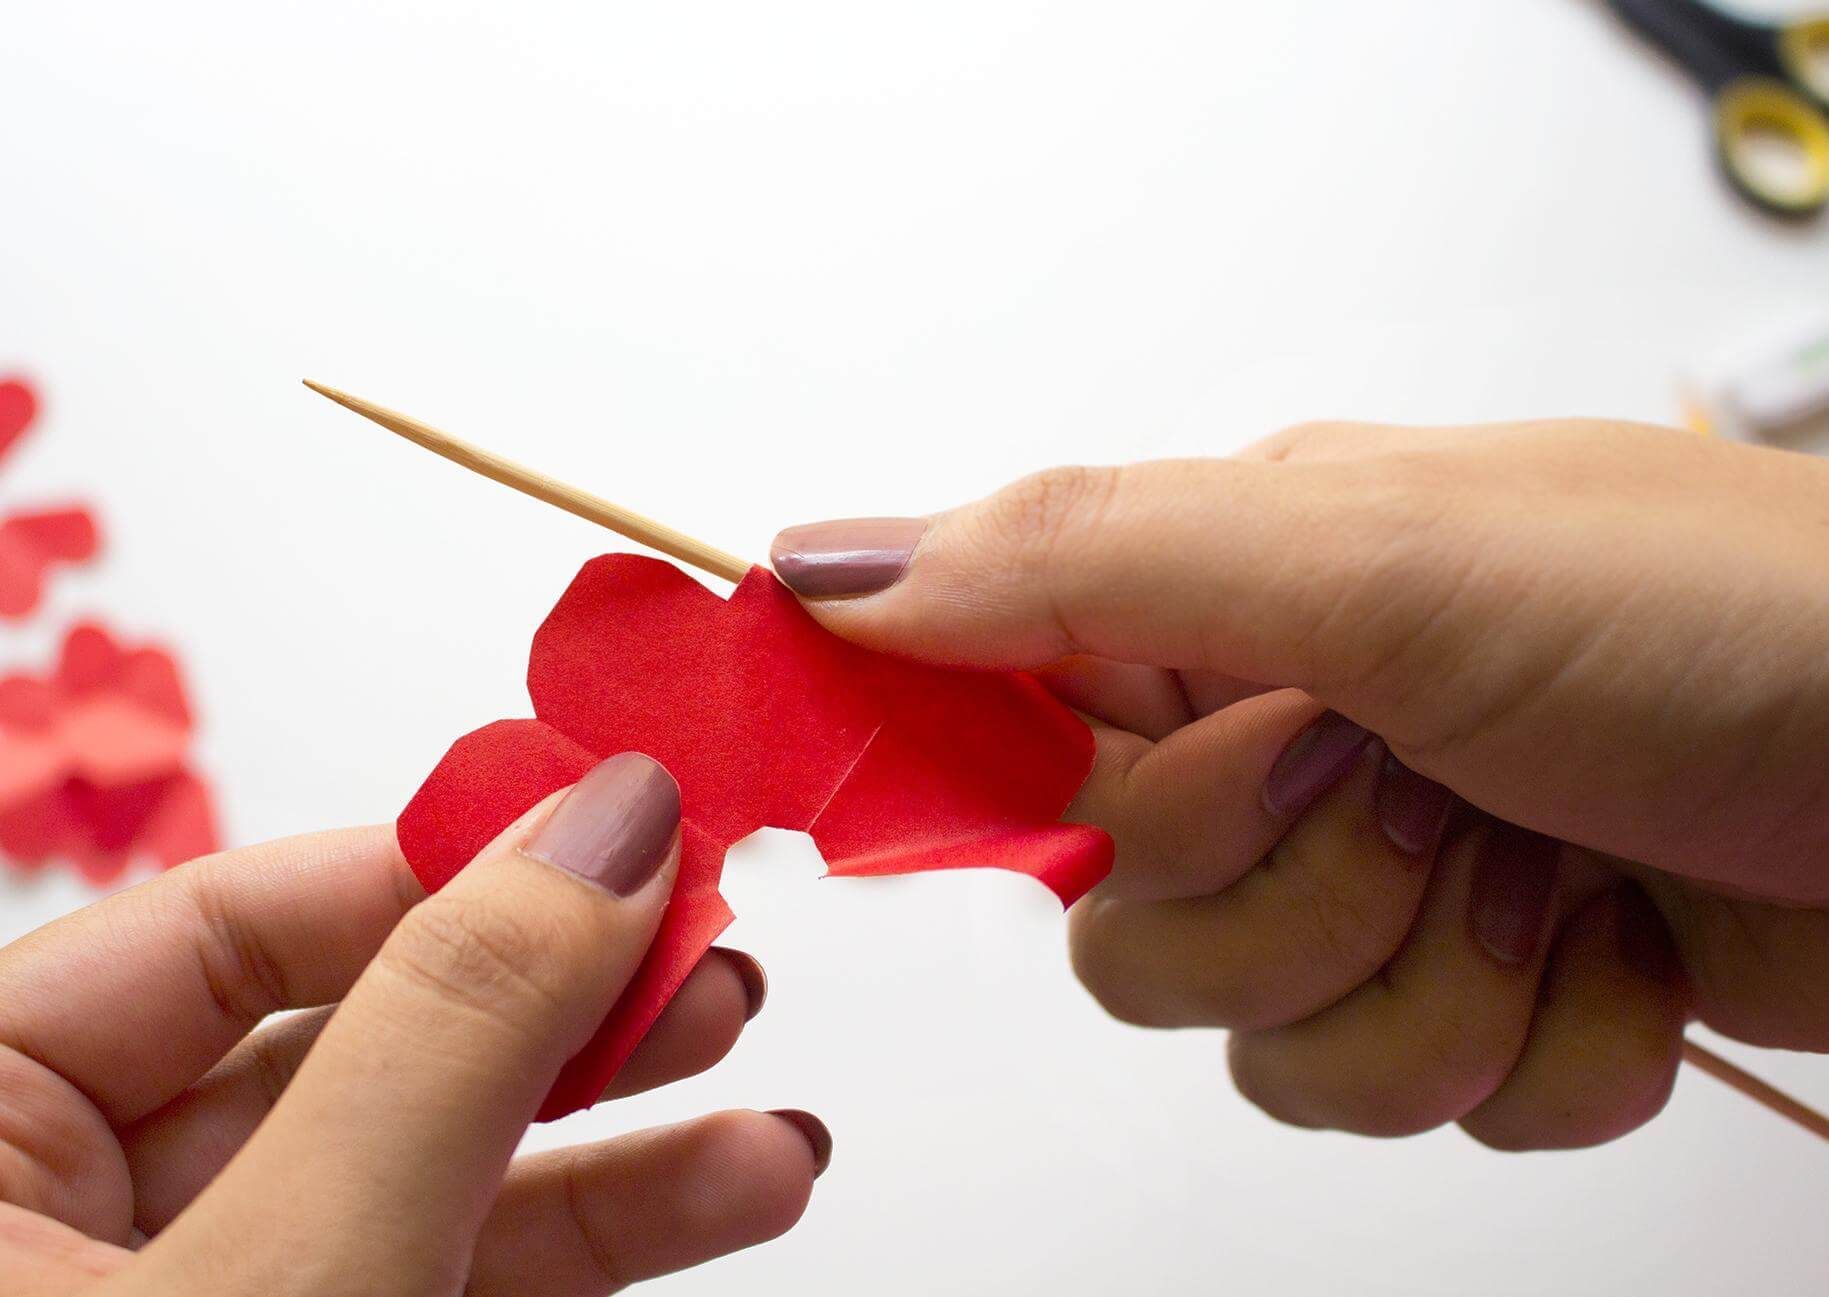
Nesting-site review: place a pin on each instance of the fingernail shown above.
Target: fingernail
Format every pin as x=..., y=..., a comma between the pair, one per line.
x=814, y=1131
x=616, y=825
x=846, y=557
x=1514, y=877
x=1644, y=940
x=1411, y=809
x=755, y=981
x=1314, y=761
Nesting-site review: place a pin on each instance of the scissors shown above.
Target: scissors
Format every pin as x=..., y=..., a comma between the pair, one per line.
x=1769, y=87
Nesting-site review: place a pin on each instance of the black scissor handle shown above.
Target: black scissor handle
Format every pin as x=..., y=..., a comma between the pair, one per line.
x=1771, y=123
x=1714, y=47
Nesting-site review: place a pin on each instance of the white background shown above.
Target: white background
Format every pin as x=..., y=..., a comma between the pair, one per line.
x=746, y=264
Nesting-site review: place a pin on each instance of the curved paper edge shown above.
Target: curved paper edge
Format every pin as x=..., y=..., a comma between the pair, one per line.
x=695, y=916
x=486, y=780
x=1069, y=859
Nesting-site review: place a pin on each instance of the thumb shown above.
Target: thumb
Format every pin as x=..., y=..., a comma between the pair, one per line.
x=1240, y=567
x=384, y=1154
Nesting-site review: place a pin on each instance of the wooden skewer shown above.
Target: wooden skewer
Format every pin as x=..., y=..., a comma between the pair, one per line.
x=1755, y=1089
x=675, y=544
x=622, y=521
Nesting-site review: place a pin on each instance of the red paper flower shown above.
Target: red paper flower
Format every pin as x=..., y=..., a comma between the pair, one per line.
x=766, y=720
x=31, y=543
x=92, y=761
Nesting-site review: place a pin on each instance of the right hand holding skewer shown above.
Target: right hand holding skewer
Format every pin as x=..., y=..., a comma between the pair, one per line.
x=1611, y=640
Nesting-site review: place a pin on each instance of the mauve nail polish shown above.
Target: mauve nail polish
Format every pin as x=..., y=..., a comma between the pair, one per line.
x=1514, y=879
x=1315, y=760
x=814, y=1131
x=616, y=826
x=1411, y=809
x=849, y=556
x=754, y=979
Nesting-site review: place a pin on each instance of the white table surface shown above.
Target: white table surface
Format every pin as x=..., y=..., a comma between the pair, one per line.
x=742, y=265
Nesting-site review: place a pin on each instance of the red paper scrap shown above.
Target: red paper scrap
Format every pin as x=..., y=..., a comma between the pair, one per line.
x=93, y=761
x=766, y=720
x=32, y=542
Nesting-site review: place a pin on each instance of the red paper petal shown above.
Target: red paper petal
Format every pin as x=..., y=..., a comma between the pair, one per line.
x=751, y=705
x=115, y=816
x=765, y=719
x=67, y=534
x=18, y=407
x=966, y=759
x=149, y=678
x=695, y=916
x=162, y=822
x=110, y=742
x=35, y=829
x=31, y=763
x=487, y=781
x=91, y=659
x=29, y=545
x=184, y=825
x=27, y=702
x=22, y=573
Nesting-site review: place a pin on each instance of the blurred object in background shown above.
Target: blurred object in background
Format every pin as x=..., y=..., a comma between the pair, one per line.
x=31, y=543
x=94, y=753
x=93, y=762
x=1768, y=89
x=1771, y=389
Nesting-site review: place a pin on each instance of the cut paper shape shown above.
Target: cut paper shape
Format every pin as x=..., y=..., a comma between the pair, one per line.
x=18, y=407
x=32, y=543
x=766, y=720
x=93, y=761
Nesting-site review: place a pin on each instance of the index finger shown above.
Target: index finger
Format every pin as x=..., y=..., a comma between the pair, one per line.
x=192, y=960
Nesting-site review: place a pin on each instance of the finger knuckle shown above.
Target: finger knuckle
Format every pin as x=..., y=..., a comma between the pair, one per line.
x=1454, y=1065
x=1295, y=1082
x=1354, y=921
x=1610, y=1089
x=493, y=963
x=272, y=1058
x=1041, y=506
x=1032, y=520
x=246, y=981
x=1101, y=946
x=1757, y=972
x=1300, y=440
x=1256, y=1086
x=589, y=1225
x=1614, y=1112
x=1438, y=1077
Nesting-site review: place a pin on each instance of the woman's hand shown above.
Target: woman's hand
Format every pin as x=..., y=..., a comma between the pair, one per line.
x=136, y=1098
x=1611, y=640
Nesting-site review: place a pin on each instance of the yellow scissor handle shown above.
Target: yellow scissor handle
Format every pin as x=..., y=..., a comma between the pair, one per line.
x=1773, y=144
x=1803, y=47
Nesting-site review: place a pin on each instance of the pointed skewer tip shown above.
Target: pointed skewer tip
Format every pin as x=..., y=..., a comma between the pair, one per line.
x=518, y=477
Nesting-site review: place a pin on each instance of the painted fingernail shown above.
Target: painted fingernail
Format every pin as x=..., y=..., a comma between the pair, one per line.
x=616, y=826
x=814, y=1131
x=1514, y=877
x=849, y=556
x=1644, y=940
x=755, y=981
x=1315, y=760
x=1411, y=809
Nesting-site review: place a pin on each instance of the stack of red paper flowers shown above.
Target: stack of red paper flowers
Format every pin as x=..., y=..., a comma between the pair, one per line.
x=94, y=766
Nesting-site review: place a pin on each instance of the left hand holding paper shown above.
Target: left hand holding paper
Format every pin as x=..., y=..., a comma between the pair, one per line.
x=155, y=1141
